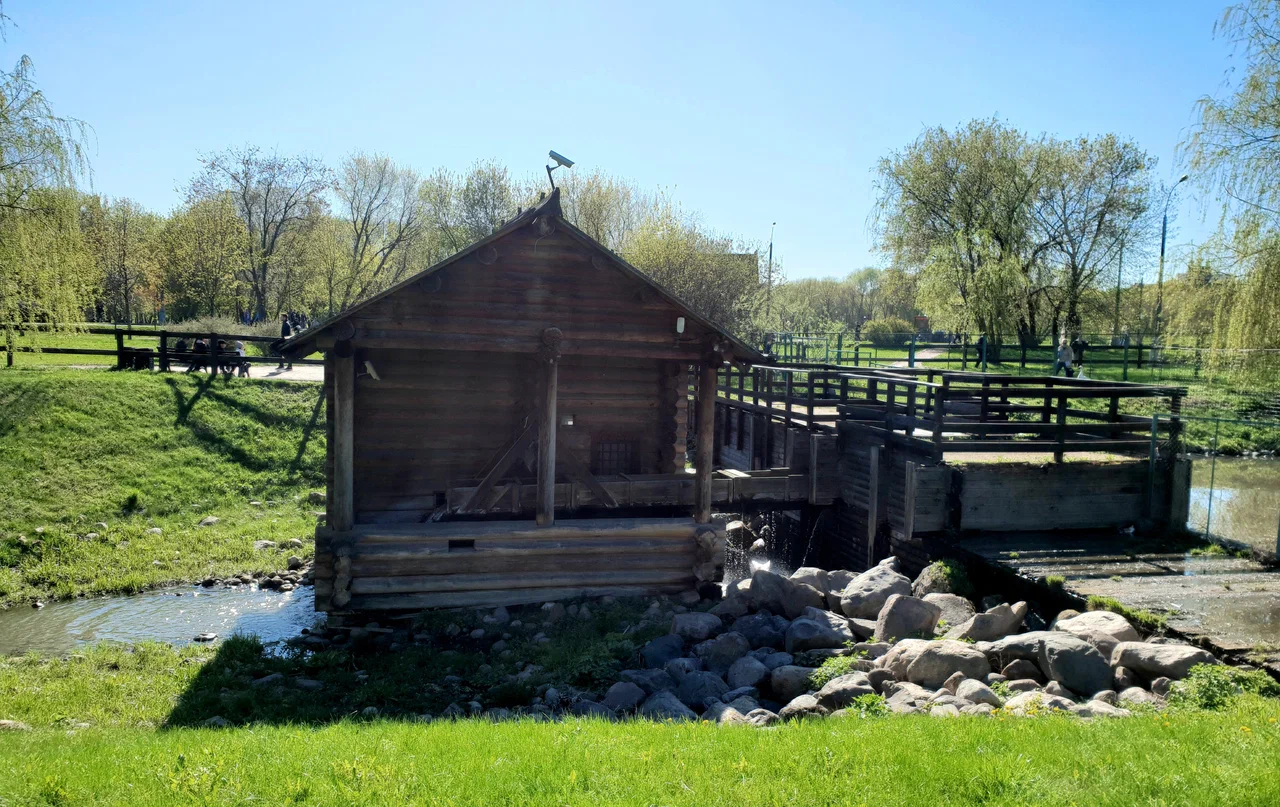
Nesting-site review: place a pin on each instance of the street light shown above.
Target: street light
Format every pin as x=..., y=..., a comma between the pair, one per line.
x=1164, y=227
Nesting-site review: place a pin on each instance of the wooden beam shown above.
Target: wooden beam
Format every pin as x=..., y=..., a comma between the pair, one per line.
x=706, y=438
x=506, y=458
x=344, y=387
x=579, y=471
x=549, y=356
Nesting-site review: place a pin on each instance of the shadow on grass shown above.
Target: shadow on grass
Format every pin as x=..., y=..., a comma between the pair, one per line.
x=410, y=671
x=18, y=402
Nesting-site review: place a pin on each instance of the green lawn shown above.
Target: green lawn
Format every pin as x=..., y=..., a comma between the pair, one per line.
x=139, y=451
x=1201, y=758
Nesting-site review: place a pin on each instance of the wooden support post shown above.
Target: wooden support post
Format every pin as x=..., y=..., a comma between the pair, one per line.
x=706, y=439
x=809, y=400
x=1062, y=427
x=549, y=354
x=120, y=350
x=1024, y=352
x=1125, y=376
x=164, y=351
x=342, y=508
x=213, y=355
x=940, y=412
x=986, y=400
x=1113, y=414
x=787, y=392
x=873, y=505
x=964, y=352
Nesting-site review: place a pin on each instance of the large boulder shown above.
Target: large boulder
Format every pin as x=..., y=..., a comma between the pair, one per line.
x=811, y=576
x=866, y=594
x=1103, y=622
x=678, y=668
x=623, y=697
x=666, y=706
x=696, y=626
x=904, y=616
x=977, y=692
x=1019, y=646
x=1096, y=708
x=841, y=691
x=657, y=653
x=725, y=714
x=719, y=654
x=837, y=581
x=774, y=660
x=789, y=681
x=763, y=629
x=900, y=656
x=1074, y=663
x=780, y=595
x=818, y=629
x=650, y=681
x=731, y=608
x=994, y=623
x=956, y=610
x=747, y=671
x=939, y=660
x=762, y=718
x=697, y=687
x=1156, y=660
x=801, y=707
x=933, y=579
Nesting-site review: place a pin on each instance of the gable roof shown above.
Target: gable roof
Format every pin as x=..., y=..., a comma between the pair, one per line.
x=302, y=343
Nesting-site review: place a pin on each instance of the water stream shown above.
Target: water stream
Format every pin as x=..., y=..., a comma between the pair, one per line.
x=1245, y=498
x=175, y=615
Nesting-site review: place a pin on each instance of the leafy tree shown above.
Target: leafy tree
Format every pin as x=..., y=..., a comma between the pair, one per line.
x=122, y=239
x=608, y=209
x=279, y=199
x=200, y=248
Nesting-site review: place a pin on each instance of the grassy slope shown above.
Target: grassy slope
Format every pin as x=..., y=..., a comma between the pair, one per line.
x=77, y=445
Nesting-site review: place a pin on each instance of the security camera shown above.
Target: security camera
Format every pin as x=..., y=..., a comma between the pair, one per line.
x=560, y=159
x=368, y=366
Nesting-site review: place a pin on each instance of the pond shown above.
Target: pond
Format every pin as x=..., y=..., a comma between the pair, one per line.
x=1241, y=496
x=175, y=615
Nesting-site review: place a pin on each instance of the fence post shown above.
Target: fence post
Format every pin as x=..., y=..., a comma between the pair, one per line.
x=1024, y=353
x=964, y=352
x=1125, y=377
x=1139, y=352
x=786, y=390
x=1062, y=428
x=164, y=351
x=1213, y=468
x=857, y=347
x=119, y=349
x=1151, y=466
x=911, y=352
x=213, y=355
x=840, y=348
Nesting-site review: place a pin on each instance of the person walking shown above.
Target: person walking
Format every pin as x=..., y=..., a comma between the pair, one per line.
x=1077, y=352
x=286, y=330
x=1064, y=359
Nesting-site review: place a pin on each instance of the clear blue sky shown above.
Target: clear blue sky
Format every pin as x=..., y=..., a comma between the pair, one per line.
x=750, y=112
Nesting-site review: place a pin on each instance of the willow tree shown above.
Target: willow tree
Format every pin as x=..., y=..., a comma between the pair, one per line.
x=45, y=274
x=1234, y=151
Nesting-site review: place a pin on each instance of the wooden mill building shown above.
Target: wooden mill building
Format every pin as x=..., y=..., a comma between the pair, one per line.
x=509, y=426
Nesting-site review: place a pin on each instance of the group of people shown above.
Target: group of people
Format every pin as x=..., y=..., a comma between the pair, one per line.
x=1070, y=358
x=229, y=359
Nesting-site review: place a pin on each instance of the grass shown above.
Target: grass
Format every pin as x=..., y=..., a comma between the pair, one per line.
x=1146, y=620
x=137, y=452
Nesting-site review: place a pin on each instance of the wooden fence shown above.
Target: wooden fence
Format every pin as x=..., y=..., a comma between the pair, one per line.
x=164, y=357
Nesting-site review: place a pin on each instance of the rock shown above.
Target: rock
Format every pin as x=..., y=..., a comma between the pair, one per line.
x=775, y=660
x=995, y=623
x=780, y=595
x=841, y=691
x=956, y=610
x=1160, y=660
x=790, y=681
x=216, y=722
x=553, y=611
x=453, y=712
x=666, y=706
x=1019, y=646
x=1104, y=643
x=268, y=680
x=623, y=697
x=730, y=608
x=991, y=601
x=155, y=531
x=1137, y=696
x=1103, y=622
x=763, y=629
x=747, y=672
x=696, y=626
x=879, y=678
x=294, y=563
x=308, y=684
x=802, y=707
x=1107, y=696
x=953, y=681
x=812, y=576
x=1055, y=688
x=294, y=543
x=741, y=696
x=762, y=718
x=209, y=521
x=819, y=629
x=862, y=628
x=866, y=594
x=724, y=714
x=1097, y=708
x=650, y=681
x=1074, y=663
x=500, y=615
x=719, y=654
x=1022, y=668
x=587, y=708
x=1122, y=678
x=943, y=710
x=837, y=581
x=937, y=661
x=1066, y=613
x=932, y=579
x=872, y=650
x=696, y=687
x=977, y=709
x=1024, y=685
x=904, y=616
x=262, y=546
x=478, y=633
x=1160, y=686
x=678, y=668
x=688, y=598
x=18, y=725
x=902, y=696
x=204, y=637
x=657, y=653
x=977, y=692
x=900, y=656
x=1030, y=702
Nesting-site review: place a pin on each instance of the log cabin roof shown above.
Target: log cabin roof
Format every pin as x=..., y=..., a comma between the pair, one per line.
x=305, y=342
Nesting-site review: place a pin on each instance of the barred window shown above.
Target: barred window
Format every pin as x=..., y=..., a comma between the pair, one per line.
x=612, y=458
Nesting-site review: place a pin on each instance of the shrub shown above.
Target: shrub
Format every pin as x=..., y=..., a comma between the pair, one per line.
x=888, y=332
x=957, y=578
x=833, y=668
x=1214, y=686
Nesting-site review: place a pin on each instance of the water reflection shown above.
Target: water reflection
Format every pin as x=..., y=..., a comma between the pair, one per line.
x=1245, y=499
x=157, y=615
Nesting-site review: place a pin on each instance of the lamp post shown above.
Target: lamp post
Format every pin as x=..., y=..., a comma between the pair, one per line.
x=1164, y=227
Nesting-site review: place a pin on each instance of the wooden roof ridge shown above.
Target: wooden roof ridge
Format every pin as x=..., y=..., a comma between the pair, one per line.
x=550, y=206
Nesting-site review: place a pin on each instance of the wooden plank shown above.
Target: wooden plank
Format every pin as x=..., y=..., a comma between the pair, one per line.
x=478, y=599
x=505, y=459
x=578, y=470
x=343, y=504
x=706, y=439
x=427, y=584
x=565, y=529
x=547, y=437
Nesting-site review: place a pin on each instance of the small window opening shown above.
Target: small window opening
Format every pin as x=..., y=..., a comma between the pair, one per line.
x=612, y=459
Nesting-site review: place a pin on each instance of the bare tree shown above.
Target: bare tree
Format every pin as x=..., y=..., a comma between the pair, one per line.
x=277, y=197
